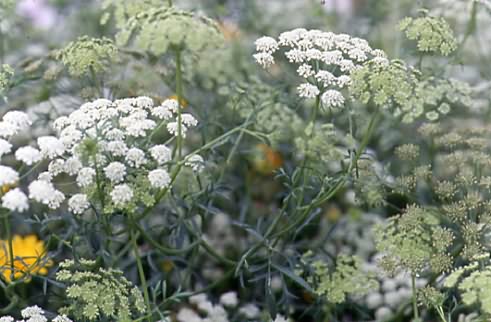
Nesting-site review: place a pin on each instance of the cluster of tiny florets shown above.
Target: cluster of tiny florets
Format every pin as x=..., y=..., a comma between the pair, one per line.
x=325, y=60
x=107, y=148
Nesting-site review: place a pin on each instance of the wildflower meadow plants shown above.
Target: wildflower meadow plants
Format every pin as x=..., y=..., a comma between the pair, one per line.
x=200, y=161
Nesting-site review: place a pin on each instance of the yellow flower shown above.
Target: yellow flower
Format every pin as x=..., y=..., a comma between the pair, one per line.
x=6, y=188
x=29, y=257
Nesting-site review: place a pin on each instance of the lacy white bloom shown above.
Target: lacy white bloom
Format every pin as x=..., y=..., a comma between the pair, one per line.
x=188, y=315
x=280, y=318
x=195, y=162
x=264, y=59
x=171, y=104
x=266, y=44
x=117, y=148
x=188, y=120
x=15, y=200
x=173, y=129
x=135, y=157
x=121, y=194
x=50, y=147
x=229, y=299
x=62, y=318
x=308, y=90
x=5, y=147
x=115, y=172
x=250, y=311
x=28, y=155
x=332, y=98
x=72, y=166
x=45, y=193
x=85, y=177
x=7, y=130
x=305, y=71
x=18, y=119
x=6, y=319
x=31, y=311
x=78, y=203
x=56, y=167
x=159, y=178
x=161, y=154
x=8, y=176
x=327, y=56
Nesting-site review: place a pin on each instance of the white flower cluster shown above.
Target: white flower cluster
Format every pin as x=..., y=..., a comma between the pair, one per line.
x=13, y=122
x=34, y=314
x=108, y=145
x=202, y=306
x=325, y=60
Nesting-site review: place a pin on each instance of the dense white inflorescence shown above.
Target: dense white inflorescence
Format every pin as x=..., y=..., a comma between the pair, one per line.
x=325, y=60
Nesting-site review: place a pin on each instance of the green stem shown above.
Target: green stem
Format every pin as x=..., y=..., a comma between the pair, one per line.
x=8, y=235
x=169, y=2
x=441, y=314
x=179, y=99
x=141, y=272
x=415, y=301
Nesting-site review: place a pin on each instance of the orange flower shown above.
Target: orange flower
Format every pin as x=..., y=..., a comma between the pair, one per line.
x=266, y=160
x=29, y=257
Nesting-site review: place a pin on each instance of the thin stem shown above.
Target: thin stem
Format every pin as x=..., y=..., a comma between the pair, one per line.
x=441, y=314
x=179, y=99
x=141, y=272
x=8, y=235
x=169, y=2
x=415, y=301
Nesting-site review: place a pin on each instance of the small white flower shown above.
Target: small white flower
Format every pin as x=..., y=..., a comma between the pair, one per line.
x=173, y=129
x=62, y=318
x=45, y=176
x=7, y=130
x=6, y=319
x=15, y=200
x=264, y=59
x=188, y=315
x=78, y=203
x=163, y=112
x=72, y=166
x=85, y=177
x=135, y=157
x=308, y=90
x=295, y=56
x=45, y=193
x=332, y=98
x=229, y=299
x=8, y=176
x=31, y=311
x=161, y=153
x=250, y=311
x=195, y=162
x=189, y=120
x=28, y=155
x=305, y=71
x=121, y=194
x=117, y=148
x=5, y=147
x=115, y=171
x=343, y=80
x=56, y=167
x=144, y=102
x=18, y=119
x=50, y=147
x=346, y=65
x=280, y=318
x=171, y=105
x=159, y=178
x=327, y=78
x=266, y=44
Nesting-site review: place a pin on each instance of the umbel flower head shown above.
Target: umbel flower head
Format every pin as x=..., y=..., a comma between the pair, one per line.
x=29, y=255
x=34, y=314
x=88, y=55
x=325, y=60
x=107, y=148
x=98, y=293
x=157, y=30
